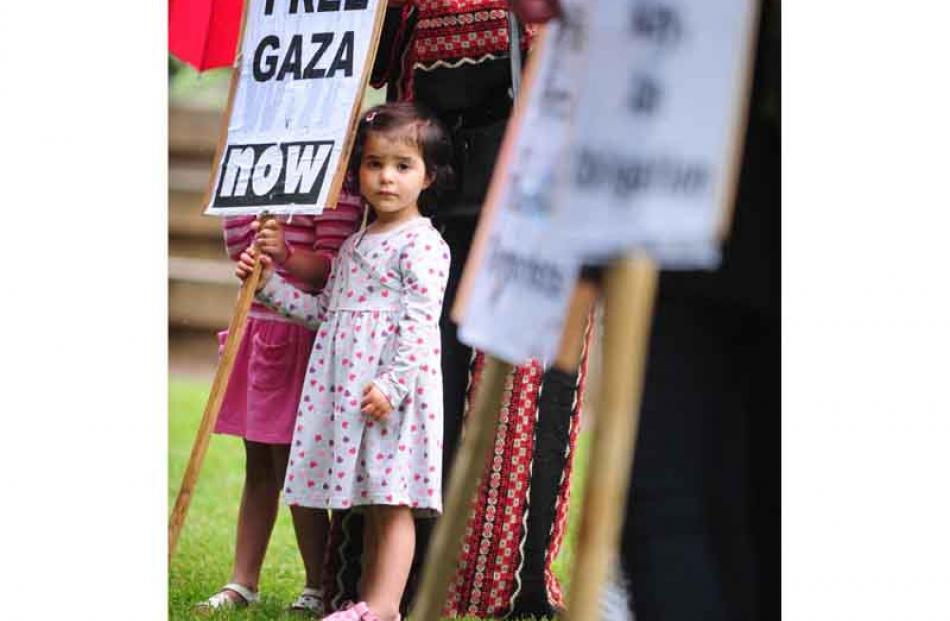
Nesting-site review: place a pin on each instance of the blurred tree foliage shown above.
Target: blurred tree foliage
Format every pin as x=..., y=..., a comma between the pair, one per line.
x=187, y=87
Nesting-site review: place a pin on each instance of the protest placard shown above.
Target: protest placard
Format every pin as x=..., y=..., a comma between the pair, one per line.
x=652, y=164
x=303, y=68
x=521, y=285
x=627, y=144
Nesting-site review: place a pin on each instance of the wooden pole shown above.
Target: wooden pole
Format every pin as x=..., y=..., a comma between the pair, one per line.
x=475, y=454
x=221, y=376
x=630, y=289
x=470, y=462
x=574, y=337
x=235, y=329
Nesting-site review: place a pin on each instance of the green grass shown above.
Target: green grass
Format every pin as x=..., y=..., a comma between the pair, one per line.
x=202, y=561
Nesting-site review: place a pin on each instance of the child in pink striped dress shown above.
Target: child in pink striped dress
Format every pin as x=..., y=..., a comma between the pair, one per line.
x=260, y=404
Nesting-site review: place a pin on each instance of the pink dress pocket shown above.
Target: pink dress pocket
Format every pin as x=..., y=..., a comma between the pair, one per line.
x=263, y=392
x=272, y=364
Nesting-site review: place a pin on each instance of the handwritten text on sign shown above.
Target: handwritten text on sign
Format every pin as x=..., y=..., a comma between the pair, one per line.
x=301, y=68
x=656, y=129
x=626, y=143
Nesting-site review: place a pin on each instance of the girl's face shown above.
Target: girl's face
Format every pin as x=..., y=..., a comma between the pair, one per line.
x=392, y=175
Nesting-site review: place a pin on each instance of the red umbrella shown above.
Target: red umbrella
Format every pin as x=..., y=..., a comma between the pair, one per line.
x=204, y=33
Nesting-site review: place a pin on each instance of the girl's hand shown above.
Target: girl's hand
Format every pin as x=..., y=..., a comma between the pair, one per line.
x=270, y=239
x=375, y=403
x=245, y=266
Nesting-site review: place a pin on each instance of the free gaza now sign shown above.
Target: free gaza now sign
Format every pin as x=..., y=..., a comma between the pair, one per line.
x=300, y=77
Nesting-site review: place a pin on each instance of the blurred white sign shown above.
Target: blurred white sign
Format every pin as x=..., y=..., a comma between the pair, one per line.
x=657, y=130
x=629, y=141
x=301, y=74
x=521, y=291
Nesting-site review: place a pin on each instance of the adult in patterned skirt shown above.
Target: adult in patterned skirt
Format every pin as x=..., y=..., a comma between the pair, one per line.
x=453, y=56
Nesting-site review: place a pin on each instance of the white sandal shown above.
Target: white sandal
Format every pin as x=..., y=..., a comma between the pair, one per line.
x=310, y=601
x=221, y=600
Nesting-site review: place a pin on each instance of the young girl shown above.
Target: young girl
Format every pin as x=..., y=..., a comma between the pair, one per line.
x=261, y=400
x=369, y=429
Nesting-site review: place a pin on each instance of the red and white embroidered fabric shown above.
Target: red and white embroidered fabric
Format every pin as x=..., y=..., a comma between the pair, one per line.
x=453, y=32
x=488, y=581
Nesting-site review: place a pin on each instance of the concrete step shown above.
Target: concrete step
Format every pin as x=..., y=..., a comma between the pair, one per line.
x=187, y=182
x=202, y=287
x=194, y=131
x=189, y=175
x=192, y=354
x=185, y=218
x=210, y=271
x=197, y=248
x=201, y=293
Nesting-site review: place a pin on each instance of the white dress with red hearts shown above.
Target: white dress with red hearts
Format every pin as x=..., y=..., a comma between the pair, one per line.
x=377, y=321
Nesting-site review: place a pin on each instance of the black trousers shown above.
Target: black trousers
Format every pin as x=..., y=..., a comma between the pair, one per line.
x=702, y=532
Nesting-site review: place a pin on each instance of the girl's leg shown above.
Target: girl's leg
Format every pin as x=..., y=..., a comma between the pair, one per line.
x=395, y=534
x=370, y=544
x=256, y=515
x=310, y=525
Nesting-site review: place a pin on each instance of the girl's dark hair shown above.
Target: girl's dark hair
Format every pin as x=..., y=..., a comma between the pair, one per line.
x=428, y=134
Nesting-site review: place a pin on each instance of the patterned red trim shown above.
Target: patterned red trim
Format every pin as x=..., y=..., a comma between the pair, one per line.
x=454, y=7
x=559, y=529
x=486, y=579
x=449, y=30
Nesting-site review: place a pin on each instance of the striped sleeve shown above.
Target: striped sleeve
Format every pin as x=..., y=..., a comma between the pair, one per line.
x=237, y=235
x=324, y=233
x=298, y=232
x=333, y=226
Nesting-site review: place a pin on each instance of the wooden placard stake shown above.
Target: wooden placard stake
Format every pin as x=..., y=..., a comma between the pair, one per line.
x=235, y=329
x=629, y=293
x=470, y=461
x=475, y=453
x=221, y=376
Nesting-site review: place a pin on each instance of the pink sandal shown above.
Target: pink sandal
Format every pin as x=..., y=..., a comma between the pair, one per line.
x=356, y=612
